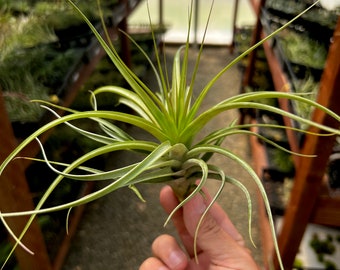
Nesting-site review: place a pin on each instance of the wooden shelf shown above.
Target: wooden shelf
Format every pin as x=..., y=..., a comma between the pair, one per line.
x=14, y=192
x=281, y=83
x=326, y=210
x=310, y=199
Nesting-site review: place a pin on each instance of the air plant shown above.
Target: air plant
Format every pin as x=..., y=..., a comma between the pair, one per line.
x=174, y=155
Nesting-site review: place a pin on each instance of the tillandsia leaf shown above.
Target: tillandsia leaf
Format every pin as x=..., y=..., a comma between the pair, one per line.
x=223, y=132
x=94, y=136
x=127, y=179
x=246, y=101
x=237, y=183
x=106, y=175
x=217, y=173
x=188, y=105
x=123, y=181
x=17, y=241
x=228, y=133
x=218, y=141
x=163, y=174
x=244, y=189
x=67, y=220
x=158, y=153
x=112, y=130
x=192, y=192
x=207, y=88
x=159, y=76
x=127, y=118
x=8, y=228
x=136, y=191
x=205, y=213
x=135, y=102
x=62, y=164
x=136, y=84
x=252, y=173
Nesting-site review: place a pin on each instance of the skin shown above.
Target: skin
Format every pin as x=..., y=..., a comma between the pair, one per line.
x=220, y=246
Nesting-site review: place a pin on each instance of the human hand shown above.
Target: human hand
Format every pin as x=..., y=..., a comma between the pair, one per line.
x=219, y=244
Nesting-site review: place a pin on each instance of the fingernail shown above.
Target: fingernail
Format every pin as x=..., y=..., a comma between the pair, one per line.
x=176, y=258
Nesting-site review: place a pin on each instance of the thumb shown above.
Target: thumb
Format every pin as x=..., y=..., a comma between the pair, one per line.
x=212, y=239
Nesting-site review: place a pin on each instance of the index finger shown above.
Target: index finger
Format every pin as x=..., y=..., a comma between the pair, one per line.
x=169, y=202
x=222, y=218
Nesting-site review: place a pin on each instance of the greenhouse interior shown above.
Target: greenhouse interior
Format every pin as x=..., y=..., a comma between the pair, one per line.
x=109, y=106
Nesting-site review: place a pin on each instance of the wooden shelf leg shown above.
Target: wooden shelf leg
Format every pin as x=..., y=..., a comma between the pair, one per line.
x=15, y=196
x=249, y=72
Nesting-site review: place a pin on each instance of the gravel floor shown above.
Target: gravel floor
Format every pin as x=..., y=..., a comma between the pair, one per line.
x=116, y=231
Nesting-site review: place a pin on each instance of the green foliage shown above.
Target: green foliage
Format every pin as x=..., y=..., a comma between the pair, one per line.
x=300, y=49
x=324, y=247
x=317, y=14
x=309, y=89
x=41, y=69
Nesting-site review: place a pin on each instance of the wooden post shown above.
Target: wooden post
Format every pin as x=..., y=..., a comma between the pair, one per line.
x=232, y=45
x=15, y=196
x=248, y=75
x=124, y=40
x=161, y=14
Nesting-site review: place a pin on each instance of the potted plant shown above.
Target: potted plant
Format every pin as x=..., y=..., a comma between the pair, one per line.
x=171, y=117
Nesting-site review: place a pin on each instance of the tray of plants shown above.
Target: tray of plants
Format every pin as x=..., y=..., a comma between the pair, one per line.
x=333, y=173
x=70, y=29
x=301, y=55
x=278, y=187
x=43, y=74
x=319, y=22
x=298, y=51
x=51, y=44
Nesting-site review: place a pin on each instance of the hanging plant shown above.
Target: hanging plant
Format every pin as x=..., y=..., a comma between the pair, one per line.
x=174, y=156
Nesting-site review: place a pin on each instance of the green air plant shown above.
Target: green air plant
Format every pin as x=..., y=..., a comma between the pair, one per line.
x=174, y=156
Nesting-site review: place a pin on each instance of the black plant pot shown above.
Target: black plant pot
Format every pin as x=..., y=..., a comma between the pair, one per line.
x=334, y=168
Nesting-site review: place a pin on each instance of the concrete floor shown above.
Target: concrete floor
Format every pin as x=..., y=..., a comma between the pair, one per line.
x=116, y=231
